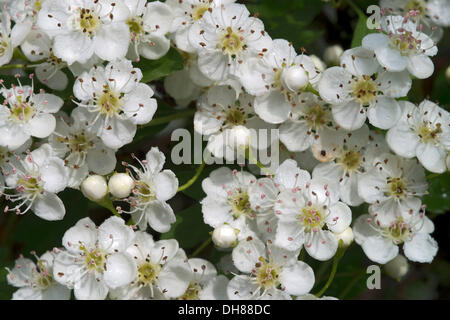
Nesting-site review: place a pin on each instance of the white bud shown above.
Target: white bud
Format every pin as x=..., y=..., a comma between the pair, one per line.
x=239, y=136
x=94, y=187
x=397, y=267
x=224, y=236
x=447, y=73
x=318, y=63
x=332, y=55
x=346, y=236
x=120, y=185
x=294, y=78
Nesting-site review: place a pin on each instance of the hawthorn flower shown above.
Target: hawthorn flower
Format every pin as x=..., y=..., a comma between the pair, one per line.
x=270, y=272
x=34, y=182
x=205, y=283
x=186, y=13
x=359, y=88
x=226, y=117
x=381, y=243
x=82, y=28
x=227, y=200
x=401, y=45
x=37, y=47
x=354, y=154
x=276, y=79
x=392, y=186
x=225, y=39
x=81, y=150
x=148, y=23
x=432, y=15
x=95, y=259
x=25, y=114
x=36, y=281
x=309, y=118
x=24, y=14
x=424, y=132
x=114, y=102
x=264, y=193
x=152, y=188
x=6, y=39
x=161, y=267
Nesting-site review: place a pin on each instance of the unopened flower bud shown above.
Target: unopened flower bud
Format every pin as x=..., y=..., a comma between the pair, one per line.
x=294, y=78
x=224, y=236
x=332, y=55
x=120, y=185
x=447, y=73
x=346, y=236
x=94, y=187
x=397, y=267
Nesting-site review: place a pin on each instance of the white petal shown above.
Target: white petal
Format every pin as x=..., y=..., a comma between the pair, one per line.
x=88, y=288
x=160, y=216
x=422, y=248
x=350, y=116
x=273, y=107
x=432, y=157
x=297, y=278
x=379, y=249
x=54, y=175
x=49, y=207
x=340, y=217
x=111, y=42
x=384, y=113
x=323, y=245
x=175, y=276
x=420, y=66
x=113, y=234
x=121, y=269
x=167, y=185
x=42, y=125
x=247, y=253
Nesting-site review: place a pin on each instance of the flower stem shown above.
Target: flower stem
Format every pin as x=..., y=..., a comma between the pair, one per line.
x=253, y=160
x=107, y=203
x=202, y=247
x=18, y=66
x=162, y=120
x=337, y=258
x=194, y=178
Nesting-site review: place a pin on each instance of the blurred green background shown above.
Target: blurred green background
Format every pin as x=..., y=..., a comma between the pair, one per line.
x=310, y=24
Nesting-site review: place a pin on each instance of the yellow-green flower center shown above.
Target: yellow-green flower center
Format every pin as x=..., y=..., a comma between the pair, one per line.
x=428, y=134
x=109, y=102
x=267, y=274
x=145, y=192
x=399, y=231
x=4, y=46
x=240, y=204
x=191, y=292
x=88, y=21
x=312, y=218
x=316, y=117
x=136, y=26
x=350, y=160
x=236, y=117
x=397, y=188
x=231, y=42
x=417, y=5
x=30, y=184
x=199, y=11
x=148, y=273
x=364, y=90
x=94, y=258
x=405, y=43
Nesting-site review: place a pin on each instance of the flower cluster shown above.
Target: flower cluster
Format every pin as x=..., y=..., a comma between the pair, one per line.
x=241, y=81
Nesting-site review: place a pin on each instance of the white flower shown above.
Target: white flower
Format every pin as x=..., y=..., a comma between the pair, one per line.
x=148, y=23
x=424, y=132
x=25, y=114
x=227, y=200
x=152, y=188
x=392, y=187
x=360, y=89
x=95, y=259
x=309, y=118
x=226, y=38
x=354, y=153
x=225, y=236
x=82, y=28
x=36, y=282
x=161, y=270
x=270, y=272
x=24, y=14
x=6, y=45
x=113, y=102
x=36, y=179
x=303, y=214
x=225, y=116
x=186, y=13
x=432, y=14
x=37, y=47
x=402, y=46
x=205, y=283
x=380, y=244
x=120, y=185
x=276, y=79
x=81, y=150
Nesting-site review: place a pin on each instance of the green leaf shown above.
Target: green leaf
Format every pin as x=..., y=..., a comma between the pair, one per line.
x=361, y=31
x=438, y=199
x=190, y=230
x=156, y=69
x=6, y=290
